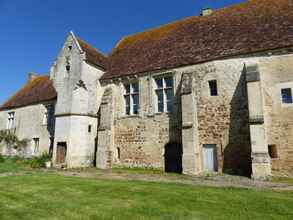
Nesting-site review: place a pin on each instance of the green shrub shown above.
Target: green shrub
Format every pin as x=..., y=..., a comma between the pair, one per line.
x=40, y=162
x=2, y=159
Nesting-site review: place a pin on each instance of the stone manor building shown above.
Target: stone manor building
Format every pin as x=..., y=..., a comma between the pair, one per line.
x=205, y=93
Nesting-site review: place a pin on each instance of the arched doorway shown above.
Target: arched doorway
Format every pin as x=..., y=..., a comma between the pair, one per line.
x=173, y=157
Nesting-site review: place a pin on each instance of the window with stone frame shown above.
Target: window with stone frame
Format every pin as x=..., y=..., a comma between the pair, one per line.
x=164, y=93
x=131, y=98
x=10, y=120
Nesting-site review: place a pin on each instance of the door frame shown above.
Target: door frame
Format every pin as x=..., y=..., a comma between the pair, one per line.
x=59, y=145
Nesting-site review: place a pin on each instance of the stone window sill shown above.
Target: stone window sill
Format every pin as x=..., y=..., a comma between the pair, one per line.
x=129, y=116
x=287, y=105
x=164, y=113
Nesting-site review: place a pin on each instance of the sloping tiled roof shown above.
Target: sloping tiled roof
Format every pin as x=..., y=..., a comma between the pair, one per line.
x=93, y=55
x=39, y=89
x=253, y=26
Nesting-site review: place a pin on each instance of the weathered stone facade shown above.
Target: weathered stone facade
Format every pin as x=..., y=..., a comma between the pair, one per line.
x=79, y=96
x=215, y=106
x=29, y=123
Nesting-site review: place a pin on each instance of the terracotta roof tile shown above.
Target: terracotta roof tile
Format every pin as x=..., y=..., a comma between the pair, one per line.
x=253, y=26
x=39, y=89
x=93, y=55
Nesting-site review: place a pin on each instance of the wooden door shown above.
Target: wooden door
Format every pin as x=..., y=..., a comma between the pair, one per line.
x=61, y=153
x=210, y=158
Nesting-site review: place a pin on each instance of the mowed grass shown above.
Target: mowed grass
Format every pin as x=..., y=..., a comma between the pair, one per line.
x=13, y=166
x=50, y=196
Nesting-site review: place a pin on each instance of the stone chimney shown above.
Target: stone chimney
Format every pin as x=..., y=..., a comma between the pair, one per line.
x=32, y=76
x=206, y=12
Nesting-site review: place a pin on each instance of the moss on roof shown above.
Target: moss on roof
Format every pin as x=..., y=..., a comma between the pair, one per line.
x=253, y=26
x=39, y=89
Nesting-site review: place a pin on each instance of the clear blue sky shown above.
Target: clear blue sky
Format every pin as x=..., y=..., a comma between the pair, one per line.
x=33, y=31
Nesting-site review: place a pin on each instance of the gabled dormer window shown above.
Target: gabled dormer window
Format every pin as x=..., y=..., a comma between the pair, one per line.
x=131, y=97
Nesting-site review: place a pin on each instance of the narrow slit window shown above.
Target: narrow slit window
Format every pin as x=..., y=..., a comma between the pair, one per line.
x=118, y=153
x=213, y=88
x=36, y=145
x=287, y=96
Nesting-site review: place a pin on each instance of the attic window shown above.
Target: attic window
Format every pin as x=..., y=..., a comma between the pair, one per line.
x=67, y=67
x=69, y=48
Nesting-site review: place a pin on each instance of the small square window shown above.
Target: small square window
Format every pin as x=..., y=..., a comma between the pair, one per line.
x=273, y=152
x=213, y=88
x=287, y=96
x=69, y=48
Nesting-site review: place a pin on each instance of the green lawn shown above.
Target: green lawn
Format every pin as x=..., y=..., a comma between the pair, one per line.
x=46, y=195
x=49, y=196
x=14, y=165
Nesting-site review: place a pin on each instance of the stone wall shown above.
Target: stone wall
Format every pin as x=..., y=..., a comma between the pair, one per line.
x=142, y=138
x=79, y=97
x=222, y=120
x=276, y=74
x=29, y=124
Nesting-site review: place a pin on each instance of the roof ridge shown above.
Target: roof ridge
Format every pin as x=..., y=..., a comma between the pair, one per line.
x=34, y=91
x=97, y=50
x=178, y=21
x=247, y=27
x=93, y=55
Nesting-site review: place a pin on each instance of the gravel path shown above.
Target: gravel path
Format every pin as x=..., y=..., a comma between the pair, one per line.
x=214, y=181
